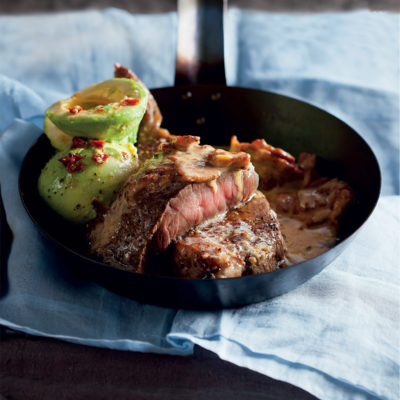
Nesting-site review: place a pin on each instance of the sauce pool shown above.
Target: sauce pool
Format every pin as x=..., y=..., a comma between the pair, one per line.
x=303, y=242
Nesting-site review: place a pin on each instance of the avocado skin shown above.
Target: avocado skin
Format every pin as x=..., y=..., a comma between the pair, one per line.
x=71, y=194
x=120, y=124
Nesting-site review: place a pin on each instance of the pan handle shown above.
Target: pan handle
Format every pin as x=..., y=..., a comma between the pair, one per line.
x=200, y=49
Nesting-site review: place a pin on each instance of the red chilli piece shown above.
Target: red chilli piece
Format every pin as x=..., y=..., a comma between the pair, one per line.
x=72, y=162
x=130, y=102
x=75, y=167
x=78, y=143
x=99, y=144
x=65, y=160
x=100, y=158
x=75, y=109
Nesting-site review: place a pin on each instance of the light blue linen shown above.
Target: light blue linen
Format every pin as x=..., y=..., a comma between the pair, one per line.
x=337, y=335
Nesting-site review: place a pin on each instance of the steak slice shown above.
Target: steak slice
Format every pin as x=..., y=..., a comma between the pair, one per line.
x=181, y=187
x=245, y=241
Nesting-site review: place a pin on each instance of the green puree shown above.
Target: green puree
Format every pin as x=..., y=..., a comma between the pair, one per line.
x=110, y=110
x=70, y=187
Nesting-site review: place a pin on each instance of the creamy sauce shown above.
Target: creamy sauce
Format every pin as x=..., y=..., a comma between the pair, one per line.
x=302, y=240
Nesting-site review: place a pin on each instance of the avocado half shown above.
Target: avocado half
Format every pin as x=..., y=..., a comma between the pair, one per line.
x=92, y=174
x=110, y=110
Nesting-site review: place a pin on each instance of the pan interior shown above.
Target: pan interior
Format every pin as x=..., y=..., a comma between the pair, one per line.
x=215, y=113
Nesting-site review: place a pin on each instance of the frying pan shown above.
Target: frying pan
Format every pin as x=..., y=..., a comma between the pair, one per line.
x=201, y=104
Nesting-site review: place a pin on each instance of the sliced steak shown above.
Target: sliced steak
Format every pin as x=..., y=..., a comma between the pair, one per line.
x=183, y=186
x=245, y=241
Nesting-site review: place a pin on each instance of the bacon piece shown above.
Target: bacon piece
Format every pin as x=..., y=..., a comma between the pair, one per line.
x=293, y=188
x=275, y=166
x=322, y=201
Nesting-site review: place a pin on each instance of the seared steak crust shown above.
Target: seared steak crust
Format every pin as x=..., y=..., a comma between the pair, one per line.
x=120, y=237
x=246, y=241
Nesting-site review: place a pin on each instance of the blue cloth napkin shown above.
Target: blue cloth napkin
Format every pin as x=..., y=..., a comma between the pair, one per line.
x=336, y=336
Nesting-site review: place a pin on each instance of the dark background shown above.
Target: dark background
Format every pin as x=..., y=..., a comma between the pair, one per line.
x=149, y=6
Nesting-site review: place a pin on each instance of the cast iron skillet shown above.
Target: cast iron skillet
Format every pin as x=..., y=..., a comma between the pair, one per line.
x=215, y=112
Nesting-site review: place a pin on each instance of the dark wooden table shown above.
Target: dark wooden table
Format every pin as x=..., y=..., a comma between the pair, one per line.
x=39, y=368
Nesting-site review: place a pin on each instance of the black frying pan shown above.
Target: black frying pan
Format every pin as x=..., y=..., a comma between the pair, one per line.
x=215, y=112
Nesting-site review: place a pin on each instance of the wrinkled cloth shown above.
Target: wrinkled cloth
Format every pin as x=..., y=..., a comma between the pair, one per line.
x=337, y=335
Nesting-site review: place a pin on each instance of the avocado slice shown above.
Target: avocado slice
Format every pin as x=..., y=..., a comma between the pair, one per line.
x=110, y=110
x=74, y=177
